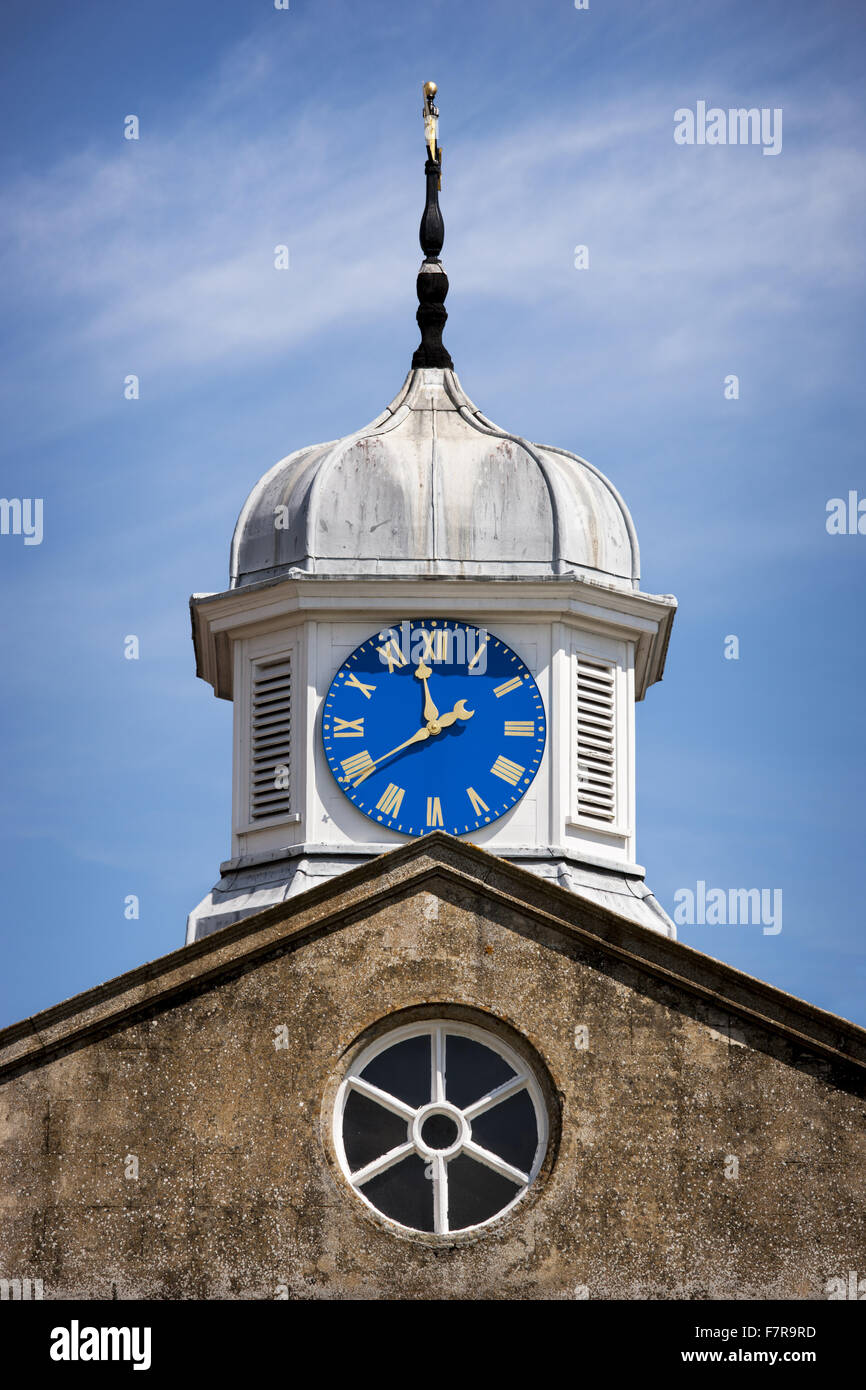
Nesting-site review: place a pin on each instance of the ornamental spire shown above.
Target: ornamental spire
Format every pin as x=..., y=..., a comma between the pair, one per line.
x=432, y=282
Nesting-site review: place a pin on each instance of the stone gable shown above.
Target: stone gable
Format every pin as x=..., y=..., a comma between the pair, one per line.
x=684, y=1066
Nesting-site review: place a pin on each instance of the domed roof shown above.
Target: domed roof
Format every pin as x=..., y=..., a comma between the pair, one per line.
x=432, y=487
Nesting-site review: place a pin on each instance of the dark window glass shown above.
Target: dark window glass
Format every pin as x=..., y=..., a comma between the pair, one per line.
x=403, y=1071
x=475, y=1192
x=509, y=1130
x=403, y=1193
x=369, y=1130
x=471, y=1070
x=439, y=1131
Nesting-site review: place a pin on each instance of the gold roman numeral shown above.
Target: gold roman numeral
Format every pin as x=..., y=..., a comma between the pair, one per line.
x=507, y=770
x=435, y=644
x=366, y=690
x=434, y=811
x=477, y=657
x=520, y=728
x=358, y=763
x=477, y=804
x=392, y=653
x=391, y=799
x=507, y=687
x=349, y=728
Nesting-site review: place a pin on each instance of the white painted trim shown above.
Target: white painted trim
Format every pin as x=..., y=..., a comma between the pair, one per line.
x=630, y=747
x=626, y=614
x=614, y=830
x=619, y=655
x=248, y=653
x=558, y=728
x=369, y=849
x=436, y=1029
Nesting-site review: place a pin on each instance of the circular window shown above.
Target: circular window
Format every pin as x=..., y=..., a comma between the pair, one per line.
x=440, y=1126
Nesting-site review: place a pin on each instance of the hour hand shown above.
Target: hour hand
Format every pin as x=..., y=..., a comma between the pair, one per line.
x=458, y=712
x=423, y=673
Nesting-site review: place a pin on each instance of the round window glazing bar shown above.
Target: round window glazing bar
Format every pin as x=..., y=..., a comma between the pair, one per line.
x=438, y=1113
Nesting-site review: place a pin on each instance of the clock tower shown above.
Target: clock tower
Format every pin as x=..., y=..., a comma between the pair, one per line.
x=432, y=624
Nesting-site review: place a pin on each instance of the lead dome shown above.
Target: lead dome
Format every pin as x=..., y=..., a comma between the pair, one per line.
x=433, y=487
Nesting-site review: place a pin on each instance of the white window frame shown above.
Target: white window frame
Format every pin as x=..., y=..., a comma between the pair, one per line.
x=525, y=1078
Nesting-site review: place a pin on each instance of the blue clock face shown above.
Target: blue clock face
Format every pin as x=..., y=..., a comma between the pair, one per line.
x=433, y=725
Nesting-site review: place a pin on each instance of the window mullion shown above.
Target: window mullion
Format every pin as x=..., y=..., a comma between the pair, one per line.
x=507, y=1170
x=379, y=1165
x=503, y=1092
x=440, y=1195
x=439, y=1064
x=395, y=1183
x=383, y=1098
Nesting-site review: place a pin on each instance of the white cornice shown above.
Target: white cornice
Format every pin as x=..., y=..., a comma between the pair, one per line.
x=220, y=619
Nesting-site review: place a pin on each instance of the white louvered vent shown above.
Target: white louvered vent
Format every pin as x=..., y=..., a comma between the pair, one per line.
x=596, y=739
x=270, y=738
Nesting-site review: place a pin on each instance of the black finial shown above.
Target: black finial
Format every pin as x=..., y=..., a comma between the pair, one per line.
x=432, y=282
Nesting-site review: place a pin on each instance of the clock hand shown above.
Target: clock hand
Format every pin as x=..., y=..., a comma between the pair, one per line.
x=444, y=722
x=458, y=712
x=416, y=738
x=423, y=673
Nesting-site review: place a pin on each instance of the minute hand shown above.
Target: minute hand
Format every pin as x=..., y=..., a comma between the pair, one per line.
x=444, y=722
x=416, y=738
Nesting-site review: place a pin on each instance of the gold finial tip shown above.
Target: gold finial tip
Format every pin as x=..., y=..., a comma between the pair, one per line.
x=430, y=89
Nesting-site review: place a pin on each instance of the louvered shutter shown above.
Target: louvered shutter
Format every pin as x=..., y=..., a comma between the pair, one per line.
x=596, y=738
x=270, y=738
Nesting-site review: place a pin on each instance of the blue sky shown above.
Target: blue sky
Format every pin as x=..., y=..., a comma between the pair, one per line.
x=302, y=127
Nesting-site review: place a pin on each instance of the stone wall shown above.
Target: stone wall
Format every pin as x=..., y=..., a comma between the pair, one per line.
x=238, y=1191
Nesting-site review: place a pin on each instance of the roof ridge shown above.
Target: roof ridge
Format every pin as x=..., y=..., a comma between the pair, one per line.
x=332, y=905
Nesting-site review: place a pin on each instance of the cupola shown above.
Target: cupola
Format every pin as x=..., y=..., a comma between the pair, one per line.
x=432, y=523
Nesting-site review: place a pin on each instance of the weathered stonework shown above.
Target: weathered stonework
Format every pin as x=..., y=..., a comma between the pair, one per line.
x=689, y=1063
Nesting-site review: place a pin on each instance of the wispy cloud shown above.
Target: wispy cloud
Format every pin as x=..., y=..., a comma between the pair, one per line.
x=163, y=251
